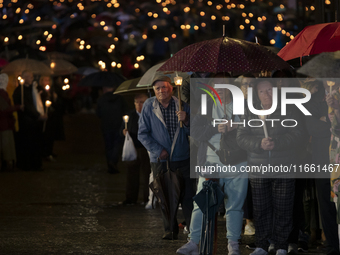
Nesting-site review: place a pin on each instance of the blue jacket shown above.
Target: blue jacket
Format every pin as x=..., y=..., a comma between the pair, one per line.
x=153, y=134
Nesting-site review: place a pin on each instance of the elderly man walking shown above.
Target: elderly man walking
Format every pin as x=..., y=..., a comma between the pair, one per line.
x=160, y=133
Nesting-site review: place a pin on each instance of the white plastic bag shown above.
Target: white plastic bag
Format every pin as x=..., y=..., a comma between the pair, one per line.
x=129, y=150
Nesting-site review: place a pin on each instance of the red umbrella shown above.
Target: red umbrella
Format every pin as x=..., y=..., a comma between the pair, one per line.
x=224, y=55
x=313, y=40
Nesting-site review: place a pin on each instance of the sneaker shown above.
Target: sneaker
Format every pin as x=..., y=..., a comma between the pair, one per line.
x=249, y=229
x=233, y=248
x=271, y=249
x=251, y=246
x=259, y=251
x=186, y=230
x=190, y=248
x=149, y=206
x=302, y=246
x=281, y=252
x=292, y=249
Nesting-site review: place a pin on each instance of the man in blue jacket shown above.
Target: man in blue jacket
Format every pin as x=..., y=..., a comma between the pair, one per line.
x=161, y=134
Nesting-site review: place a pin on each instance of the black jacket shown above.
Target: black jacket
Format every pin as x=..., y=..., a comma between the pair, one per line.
x=319, y=130
x=110, y=109
x=287, y=139
x=132, y=127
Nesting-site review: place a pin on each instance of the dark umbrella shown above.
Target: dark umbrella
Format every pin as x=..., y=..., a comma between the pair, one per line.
x=224, y=55
x=208, y=200
x=102, y=79
x=167, y=188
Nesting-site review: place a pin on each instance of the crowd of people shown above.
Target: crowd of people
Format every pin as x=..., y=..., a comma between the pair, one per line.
x=281, y=211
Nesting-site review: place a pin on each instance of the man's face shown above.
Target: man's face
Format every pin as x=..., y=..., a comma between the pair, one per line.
x=139, y=101
x=162, y=90
x=265, y=92
x=28, y=77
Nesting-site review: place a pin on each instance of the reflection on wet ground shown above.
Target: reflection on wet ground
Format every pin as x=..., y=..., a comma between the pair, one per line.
x=72, y=206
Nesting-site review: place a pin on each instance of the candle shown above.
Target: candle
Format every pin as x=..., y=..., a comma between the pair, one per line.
x=263, y=118
x=22, y=81
x=126, y=119
x=330, y=84
x=178, y=81
x=47, y=104
x=47, y=87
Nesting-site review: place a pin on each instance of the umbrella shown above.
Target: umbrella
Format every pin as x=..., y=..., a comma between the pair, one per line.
x=149, y=75
x=208, y=200
x=129, y=86
x=312, y=40
x=167, y=188
x=325, y=65
x=20, y=65
x=224, y=55
x=60, y=66
x=86, y=70
x=102, y=79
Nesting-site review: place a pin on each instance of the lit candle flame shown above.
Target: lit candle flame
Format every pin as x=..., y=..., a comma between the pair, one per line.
x=48, y=103
x=47, y=87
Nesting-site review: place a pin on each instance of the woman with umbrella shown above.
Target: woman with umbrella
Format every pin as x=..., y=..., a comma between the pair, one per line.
x=234, y=184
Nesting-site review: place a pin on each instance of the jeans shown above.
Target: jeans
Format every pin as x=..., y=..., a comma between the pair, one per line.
x=235, y=192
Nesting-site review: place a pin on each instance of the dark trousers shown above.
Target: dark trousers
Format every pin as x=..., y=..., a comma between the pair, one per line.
x=273, y=209
x=28, y=145
x=188, y=190
x=328, y=214
x=248, y=205
x=298, y=211
x=138, y=169
x=113, y=147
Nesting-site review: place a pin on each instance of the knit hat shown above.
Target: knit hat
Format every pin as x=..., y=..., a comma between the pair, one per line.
x=161, y=78
x=3, y=81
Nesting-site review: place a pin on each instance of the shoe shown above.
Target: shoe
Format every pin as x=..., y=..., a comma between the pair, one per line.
x=292, y=249
x=233, y=248
x=249, y=229
x=113, y=171
x=126, y=202
x=251, y=246
x=271, y=249
x=302, y=246
x=170, y=236
x=281, y=252
x=259, y=251
x=186, y=230
x=149, y=206
x=190, y=248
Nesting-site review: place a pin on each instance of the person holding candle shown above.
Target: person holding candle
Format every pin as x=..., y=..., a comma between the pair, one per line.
x=160, y=133
x=141, y=166
x=273, y=194
x=110, y=109
x=54, y=127
x=7, y=144
x=29, y=136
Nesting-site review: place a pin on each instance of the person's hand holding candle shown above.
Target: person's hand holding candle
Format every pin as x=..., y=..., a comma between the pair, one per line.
x=126, y=120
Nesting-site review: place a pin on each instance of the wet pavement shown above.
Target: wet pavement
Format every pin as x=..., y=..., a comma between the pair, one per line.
x=71, y=207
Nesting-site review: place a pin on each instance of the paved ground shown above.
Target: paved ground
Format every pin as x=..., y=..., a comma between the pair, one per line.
x=72, y=206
